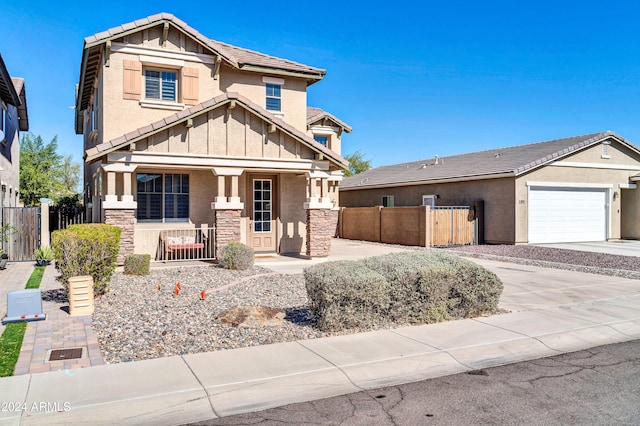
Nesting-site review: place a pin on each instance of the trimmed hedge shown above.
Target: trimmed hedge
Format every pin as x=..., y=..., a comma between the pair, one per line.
x=235, y=255
x=88, y=249
x=416, y=286
x=137, y=264
x=346, y=294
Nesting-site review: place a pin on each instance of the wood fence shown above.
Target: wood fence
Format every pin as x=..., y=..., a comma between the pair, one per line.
x=24, y=237
x=413, y=226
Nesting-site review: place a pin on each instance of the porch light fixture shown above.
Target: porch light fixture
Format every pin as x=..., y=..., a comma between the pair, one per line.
x=615, y=195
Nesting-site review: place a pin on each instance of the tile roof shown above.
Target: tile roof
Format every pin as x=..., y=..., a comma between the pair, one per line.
x=315, y=114
x=237, y=56
x=510, y=161
x=150, y=129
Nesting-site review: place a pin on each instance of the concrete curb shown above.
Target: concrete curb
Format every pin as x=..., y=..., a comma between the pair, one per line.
x=198, y=387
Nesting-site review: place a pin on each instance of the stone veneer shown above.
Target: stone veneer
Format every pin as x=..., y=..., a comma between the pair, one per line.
x=125, y=220
x=321, y=226
x=227, y=223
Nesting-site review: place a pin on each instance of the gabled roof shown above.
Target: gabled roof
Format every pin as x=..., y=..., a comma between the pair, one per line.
x=316, y=114
x=160, y=125
x=7, y=89
x=502, y=162
x=234, y=56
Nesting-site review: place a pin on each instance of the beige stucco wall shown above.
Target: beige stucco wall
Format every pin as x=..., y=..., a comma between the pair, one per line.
x=593, y=170
x=292, y=224
x=236, y=132
x=630, y=214
x=124, y=115
x=498, y=195
x=251, y=85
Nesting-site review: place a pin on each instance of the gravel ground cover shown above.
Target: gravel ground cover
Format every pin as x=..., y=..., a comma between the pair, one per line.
x=575, y=260
x=136, y=321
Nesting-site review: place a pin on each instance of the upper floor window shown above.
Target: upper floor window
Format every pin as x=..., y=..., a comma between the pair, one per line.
x=3, y=116
x=274, y=97
x=321, y=139
x=161, y=85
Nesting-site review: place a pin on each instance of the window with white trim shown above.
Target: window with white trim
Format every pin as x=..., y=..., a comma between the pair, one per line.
x=429, y=200
x=162, y=197
x=387, y=201
x=160, y=85
x=262, y=198
x=321, y=139
x=274, y=97
x=3, y=124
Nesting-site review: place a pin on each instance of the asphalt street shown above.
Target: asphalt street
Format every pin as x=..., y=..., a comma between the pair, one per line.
x=598, y=386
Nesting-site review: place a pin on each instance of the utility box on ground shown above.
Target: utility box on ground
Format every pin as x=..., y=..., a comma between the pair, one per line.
x=81, y=295
x=24, y=305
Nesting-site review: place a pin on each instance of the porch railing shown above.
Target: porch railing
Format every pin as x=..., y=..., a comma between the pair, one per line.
x=176, y=244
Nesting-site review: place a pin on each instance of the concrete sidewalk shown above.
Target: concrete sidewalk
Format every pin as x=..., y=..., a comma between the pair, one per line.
x=553, y=311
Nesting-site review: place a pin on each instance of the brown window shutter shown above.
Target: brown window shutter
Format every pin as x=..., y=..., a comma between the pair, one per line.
x=190, y=86
x=132, y=80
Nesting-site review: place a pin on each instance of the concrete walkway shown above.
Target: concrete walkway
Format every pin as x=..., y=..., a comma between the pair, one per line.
x=553, y=311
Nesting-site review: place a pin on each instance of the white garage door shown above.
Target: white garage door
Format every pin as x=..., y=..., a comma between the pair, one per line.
x=559, y=215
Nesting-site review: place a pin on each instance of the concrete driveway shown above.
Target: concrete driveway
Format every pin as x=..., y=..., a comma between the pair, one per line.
x=620, y=247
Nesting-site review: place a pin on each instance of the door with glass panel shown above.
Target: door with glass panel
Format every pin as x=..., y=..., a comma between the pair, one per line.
x=262, y=224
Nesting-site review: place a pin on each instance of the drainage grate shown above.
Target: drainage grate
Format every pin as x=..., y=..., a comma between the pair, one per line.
x=64, y=354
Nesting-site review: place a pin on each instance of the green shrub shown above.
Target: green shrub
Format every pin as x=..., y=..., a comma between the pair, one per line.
x=235, y=255
x=90, y=249
x=137, y=264
x=346, y=294
x=421, y=287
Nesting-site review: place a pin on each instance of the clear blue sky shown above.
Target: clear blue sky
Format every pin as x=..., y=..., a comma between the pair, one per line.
x=414, y=79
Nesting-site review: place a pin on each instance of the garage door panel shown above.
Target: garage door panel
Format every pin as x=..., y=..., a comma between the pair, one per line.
x=567, y=215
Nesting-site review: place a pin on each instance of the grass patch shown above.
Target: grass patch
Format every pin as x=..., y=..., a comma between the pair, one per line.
x=35, y=278
x=10, y=344
x=11, y=339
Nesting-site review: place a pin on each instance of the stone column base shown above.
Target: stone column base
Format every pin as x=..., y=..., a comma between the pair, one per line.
x=227, y=224
x=321, y=226
x=125, y=220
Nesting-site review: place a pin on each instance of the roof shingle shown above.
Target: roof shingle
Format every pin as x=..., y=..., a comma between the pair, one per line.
x=509, y=161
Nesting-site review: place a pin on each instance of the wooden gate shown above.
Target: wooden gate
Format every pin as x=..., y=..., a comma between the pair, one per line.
x=21, y=243
x=453, y=226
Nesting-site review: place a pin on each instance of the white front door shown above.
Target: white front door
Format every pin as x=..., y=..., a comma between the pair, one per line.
x=262, y=232
x=558, y=215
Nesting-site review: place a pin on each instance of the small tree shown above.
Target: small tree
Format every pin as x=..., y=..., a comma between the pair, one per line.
x=357, y=163
x=40, y=169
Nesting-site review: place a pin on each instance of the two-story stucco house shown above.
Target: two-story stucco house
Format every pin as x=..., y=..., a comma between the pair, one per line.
x=13, y=120
x=184, y=132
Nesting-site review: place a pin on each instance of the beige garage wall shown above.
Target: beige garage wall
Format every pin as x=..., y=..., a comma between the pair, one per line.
x=572, y=175
x=498, y=195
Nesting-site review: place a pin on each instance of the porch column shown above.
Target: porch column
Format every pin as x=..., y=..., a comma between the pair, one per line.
x=320, y=223
x=120, y=209
x=227, y=207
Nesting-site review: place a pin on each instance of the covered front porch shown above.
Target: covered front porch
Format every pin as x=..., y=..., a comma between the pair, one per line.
x=187, y=212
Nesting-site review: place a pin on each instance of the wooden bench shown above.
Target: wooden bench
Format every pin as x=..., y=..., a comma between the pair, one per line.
x=180, y=243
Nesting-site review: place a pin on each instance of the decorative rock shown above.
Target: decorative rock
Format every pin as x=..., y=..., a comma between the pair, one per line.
x=252, y=316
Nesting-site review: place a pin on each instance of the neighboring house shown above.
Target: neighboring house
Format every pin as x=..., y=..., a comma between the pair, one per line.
x=181, y=131
x=13, y=120
x=581, y=188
